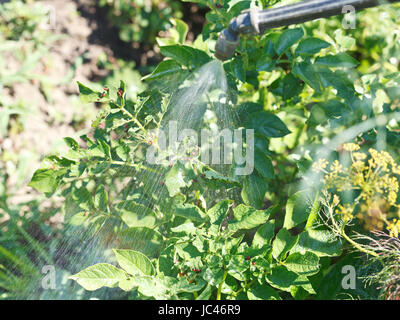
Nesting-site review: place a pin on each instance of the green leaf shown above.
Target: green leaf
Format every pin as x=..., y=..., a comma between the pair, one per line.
x=288, y=38
x=282, y=244
x=236, y=67
x=146, y=240
x=135, y=214
x=265, y=63
x=237, y=267
x=254, y=189
x=178, y=53
x=213, y=276
x=174, y=180
x=308, y=74
x=264, y=234
x=262, y=292
x=157, y=287
x=290, y=86
x=306, y=265
x=251, y=219
x=185, y=55
x=99, y=275
x=189, y=211
x=263, y=165
x=105, y=148
x=87, y=95
x=285, y=280
x=187, y=251
x=214, y=175
x=165, y=263
x=184, y=285
x=206, y=294
x=83, y=198
x=45, y=180
x=268, y=124
x=101, y=198
x=134, y=262
x=219, y=211
x=340, y=60
x=298, y=208
x=71, y=143
x=181, y=28
x=188, y=228
x=311, y=46
x=321, y=242
x=165, y=68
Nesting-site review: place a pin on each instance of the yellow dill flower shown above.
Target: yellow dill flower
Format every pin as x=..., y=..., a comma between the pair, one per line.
x=392, y=198
x=320, y=165
x=380, y=159
x=359, y=156
x=345, y=211
x=395, y=168
x=373, y=179
x=359, y=166
x=394, y=228
x=336, y=167
x=335, y=200
x=351, y=147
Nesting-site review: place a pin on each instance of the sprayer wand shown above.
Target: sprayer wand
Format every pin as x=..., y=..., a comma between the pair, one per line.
x=258, y=21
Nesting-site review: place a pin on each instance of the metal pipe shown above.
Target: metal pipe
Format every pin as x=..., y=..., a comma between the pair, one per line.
x=258, y=21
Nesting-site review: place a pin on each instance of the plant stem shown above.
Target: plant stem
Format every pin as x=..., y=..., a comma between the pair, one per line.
x=220, y=285
x=358, y=246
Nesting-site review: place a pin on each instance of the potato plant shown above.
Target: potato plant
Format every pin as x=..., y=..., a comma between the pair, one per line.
x=141, y=21
x=191, y=231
